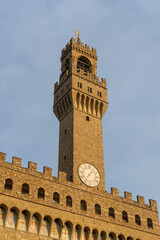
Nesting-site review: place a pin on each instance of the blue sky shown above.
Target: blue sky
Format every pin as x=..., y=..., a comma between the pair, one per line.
x=127, y=37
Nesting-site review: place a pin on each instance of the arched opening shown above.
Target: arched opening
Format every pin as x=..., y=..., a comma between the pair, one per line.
x=137, y=220
x=35, y=223
x=101, y=109
x=41, y=193
x=121, y=237
x=8, y=184
x=82, y=101
x=3, y=213
x=111, y=213
x=58, y=111
x=66, y=102
x=77, y=100
x=83, y=205
x=67, y=64
x=12, y=218
x=84, y=64
x=56, y=198
x=96, y=107
x=23, y=222
x=78, y=230
x=67, y=230
x=94, y=234
x=129, y=238
x=103, y=235
x=86, y=233
x=63, y=105
x=60, y=107
x=97, y=209
x=112, y=236
x=46, y=226
x=149, y=223
x=68, y=201
x=87, y=104
x=57, y=228
x=25, y=188
x=92, y=105
x=125, y=216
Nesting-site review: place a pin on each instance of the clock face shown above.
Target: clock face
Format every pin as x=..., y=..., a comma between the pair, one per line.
x=89, y=175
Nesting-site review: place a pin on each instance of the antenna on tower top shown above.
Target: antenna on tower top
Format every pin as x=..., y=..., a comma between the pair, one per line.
x=77, y=34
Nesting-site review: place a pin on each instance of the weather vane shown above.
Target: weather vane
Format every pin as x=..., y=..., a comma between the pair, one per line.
x=77, y=34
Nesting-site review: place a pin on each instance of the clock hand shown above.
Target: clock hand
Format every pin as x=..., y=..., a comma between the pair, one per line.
x=89, y=174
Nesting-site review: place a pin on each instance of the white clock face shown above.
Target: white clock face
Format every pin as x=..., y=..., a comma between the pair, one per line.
x=89, y=175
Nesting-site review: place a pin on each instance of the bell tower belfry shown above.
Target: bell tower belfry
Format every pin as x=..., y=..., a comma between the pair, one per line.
x=80, y=101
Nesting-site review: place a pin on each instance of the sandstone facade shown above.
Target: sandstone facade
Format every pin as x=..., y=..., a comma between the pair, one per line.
x=36, y=205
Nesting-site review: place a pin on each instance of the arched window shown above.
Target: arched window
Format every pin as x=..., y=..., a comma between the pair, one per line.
x=129, y=238
x=25, y=188
x=125, y=216
x=121, y=237
x=97, y=209
x=67, y=64
x=149, y=223
x=56, y=197
x=8, y=184
x=85, y=64
x=83, y=205
x=138, y=220
x=68, y=201
x=111, y=213
x=41, y=193
x=112, y=236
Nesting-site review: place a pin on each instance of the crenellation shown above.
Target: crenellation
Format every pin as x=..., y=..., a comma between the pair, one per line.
x=79, y=47
x=32, y=166
x=63, y=51
x=47, y=171
x=115, y=192
x=62, y=176
x=2, y=157
x=141, y=200
x=72, y=41
x=87, y=47
x=153, y=205
x=56, y=85
x=16, y=161
x=94, y=50
x=128, y=196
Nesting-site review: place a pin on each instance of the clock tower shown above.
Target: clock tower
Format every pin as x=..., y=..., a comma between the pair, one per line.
x=80, y=101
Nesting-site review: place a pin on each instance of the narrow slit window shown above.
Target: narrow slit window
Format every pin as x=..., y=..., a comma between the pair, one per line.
x=87, y=118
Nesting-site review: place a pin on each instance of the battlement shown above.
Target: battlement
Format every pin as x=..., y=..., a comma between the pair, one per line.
x=47, y=174
x=82, y=73
x=32, y=167
x=78, y=46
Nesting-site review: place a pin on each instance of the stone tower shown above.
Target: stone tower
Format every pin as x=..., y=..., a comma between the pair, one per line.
x=80, y=101
x=74, y=205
